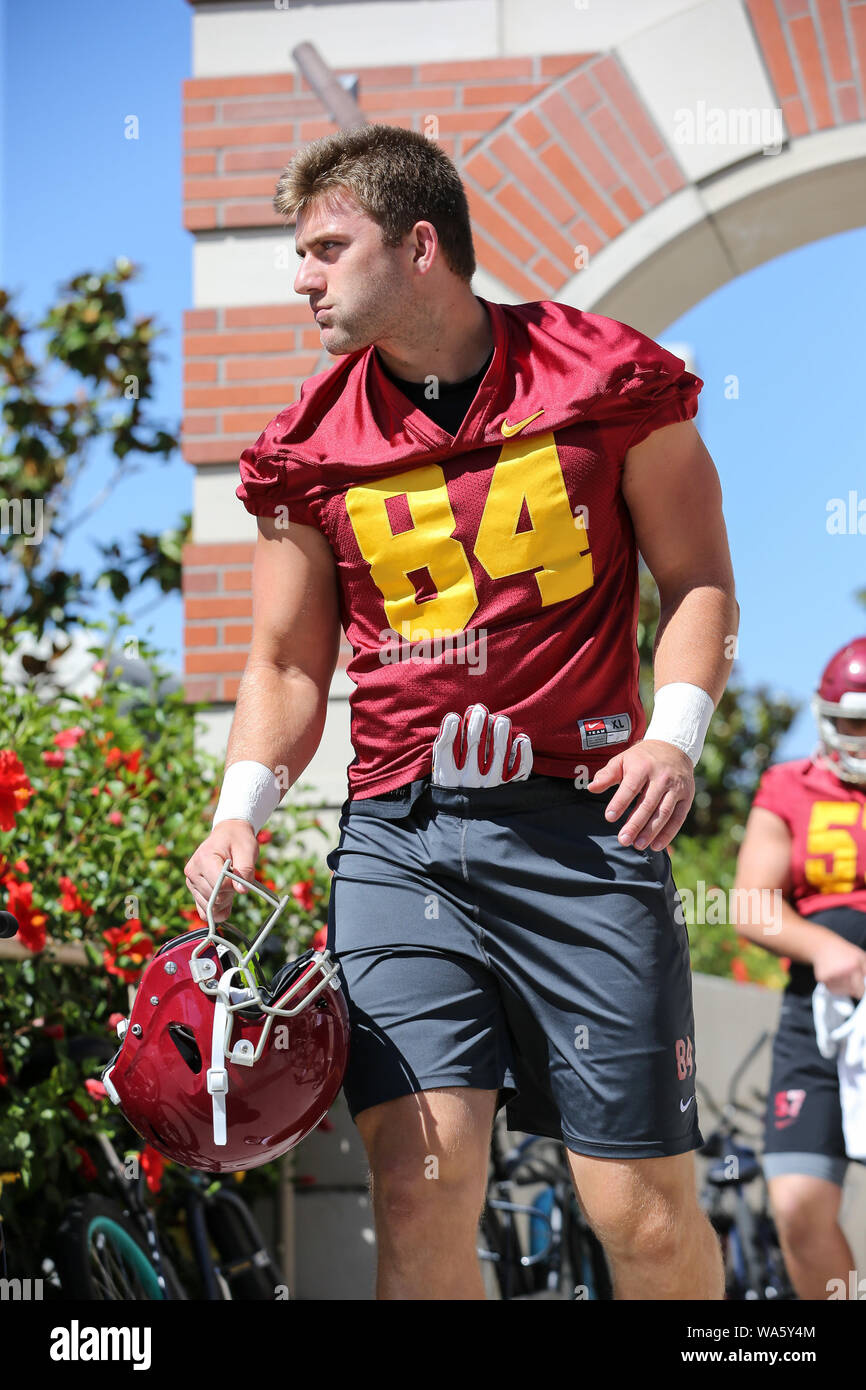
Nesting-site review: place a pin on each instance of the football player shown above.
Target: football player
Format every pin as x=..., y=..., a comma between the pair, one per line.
x=466, y=491
x=806, y=840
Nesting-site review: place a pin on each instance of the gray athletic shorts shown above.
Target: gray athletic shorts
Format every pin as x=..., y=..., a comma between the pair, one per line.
x=502, y=938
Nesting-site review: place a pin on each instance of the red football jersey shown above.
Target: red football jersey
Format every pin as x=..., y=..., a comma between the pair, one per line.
x=827, y=821
x=496, y=566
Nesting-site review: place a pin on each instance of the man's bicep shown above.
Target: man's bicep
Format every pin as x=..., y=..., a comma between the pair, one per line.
x=296, y=617
x=764, y=860
x=674, y=497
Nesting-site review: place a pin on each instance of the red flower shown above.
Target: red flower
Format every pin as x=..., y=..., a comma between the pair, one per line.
x=113, y=1020
x=88, y=1167
x=31, y=925
x=320, y=940
x=129, y=943
x=739, y=970
x=153, y=1165
x=4, y=1075
x=264, y=837
x=67, y=738
x=15, y=788
x=116, y=757
x=54, y=1030
x=71, y=900
x=115, y=818
x=785, y=962
x=76, y=1110
x=20, y=866
x=95, y=1089
x=54, y=759
x=303, y=893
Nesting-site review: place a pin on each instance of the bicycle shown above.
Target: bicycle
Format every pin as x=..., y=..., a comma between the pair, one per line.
x=754, y=1265
x=204, y=1243
x=110, y=1249
x=543, y=1248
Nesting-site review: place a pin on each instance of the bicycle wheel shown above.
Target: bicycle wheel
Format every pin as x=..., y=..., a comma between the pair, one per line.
x=245, y=1266
x=497, y=1230
x=101, y=1255
x=777, y=1284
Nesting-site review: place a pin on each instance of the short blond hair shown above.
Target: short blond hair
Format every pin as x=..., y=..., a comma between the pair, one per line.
x=397, y=177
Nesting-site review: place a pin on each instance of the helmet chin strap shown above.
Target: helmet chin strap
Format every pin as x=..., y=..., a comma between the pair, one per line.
x=227, y=999
x=217, y=1076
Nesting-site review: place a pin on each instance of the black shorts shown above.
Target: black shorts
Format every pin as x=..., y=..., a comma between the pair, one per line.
x=803, y=1127
x=503, y=938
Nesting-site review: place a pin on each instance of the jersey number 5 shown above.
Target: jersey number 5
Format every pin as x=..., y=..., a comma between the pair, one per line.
x=556, y=548
x=826, y=840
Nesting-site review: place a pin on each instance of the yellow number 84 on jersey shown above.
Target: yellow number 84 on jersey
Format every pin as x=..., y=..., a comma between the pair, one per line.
x=556, y=548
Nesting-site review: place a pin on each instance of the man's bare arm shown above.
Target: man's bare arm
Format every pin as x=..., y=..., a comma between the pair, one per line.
x=283, y=694
x=764, y=863
x=674, y=498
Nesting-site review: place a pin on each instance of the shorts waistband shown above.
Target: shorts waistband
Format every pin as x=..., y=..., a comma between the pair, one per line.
x=536, y=790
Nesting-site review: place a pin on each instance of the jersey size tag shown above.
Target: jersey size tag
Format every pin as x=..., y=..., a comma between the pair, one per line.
x=610, y=728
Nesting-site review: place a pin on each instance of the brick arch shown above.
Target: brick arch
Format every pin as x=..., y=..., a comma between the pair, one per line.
x=557, y=151
x=816, y=61
x=573, y=167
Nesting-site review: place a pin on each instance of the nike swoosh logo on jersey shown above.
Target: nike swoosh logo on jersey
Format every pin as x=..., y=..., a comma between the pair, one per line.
x=685, y=1107
x=509, y=430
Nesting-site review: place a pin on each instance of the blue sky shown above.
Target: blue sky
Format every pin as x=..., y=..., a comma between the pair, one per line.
x=75, y=194
x=790, y=331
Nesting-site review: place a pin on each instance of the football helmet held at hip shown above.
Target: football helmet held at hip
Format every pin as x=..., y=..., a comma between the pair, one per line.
x=218, y=1068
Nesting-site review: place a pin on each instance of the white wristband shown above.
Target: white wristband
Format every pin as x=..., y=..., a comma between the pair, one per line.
x=681, y=715
x=250, y=792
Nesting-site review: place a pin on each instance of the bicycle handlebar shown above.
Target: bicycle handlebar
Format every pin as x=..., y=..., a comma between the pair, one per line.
x=726, y=1114
x=735, y=1079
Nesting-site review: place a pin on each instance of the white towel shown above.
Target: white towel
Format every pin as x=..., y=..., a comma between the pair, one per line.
x=840, y=1030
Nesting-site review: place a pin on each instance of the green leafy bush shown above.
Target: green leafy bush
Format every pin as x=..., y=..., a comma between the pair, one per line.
x=103, y=799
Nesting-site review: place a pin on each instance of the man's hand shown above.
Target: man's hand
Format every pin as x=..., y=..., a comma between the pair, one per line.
x=231, y=839
x=665, y=776
x=840, y=965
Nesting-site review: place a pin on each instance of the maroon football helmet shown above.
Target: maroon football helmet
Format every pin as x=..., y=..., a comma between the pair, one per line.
x=219, y=1070
x=842, y=695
